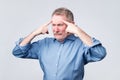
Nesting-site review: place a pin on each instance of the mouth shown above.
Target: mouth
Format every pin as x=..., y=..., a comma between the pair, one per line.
x=57, y=33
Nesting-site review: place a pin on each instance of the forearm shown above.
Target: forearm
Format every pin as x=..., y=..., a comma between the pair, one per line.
x=41, y=30
x=84, y=36
x=27, y=39
x=72, y=28
x=31, y=36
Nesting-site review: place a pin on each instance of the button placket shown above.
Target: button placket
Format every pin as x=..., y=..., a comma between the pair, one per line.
x=58, y=55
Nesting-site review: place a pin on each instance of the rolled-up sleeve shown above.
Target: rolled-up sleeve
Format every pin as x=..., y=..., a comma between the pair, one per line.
x=94, y=53
x=26, y=51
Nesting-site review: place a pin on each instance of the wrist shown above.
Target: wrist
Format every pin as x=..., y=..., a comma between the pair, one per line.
x=33, y=34
x=78, y=31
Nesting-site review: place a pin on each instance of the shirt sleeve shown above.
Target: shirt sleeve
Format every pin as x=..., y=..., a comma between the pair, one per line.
x=27, y=51
x=94, y=53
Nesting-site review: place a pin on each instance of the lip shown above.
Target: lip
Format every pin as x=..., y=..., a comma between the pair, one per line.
x=58, y=34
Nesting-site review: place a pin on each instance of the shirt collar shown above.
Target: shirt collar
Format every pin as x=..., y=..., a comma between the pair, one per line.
x=71, y=37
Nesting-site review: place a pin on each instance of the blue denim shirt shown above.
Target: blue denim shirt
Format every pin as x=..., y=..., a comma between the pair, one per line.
x=62, y=61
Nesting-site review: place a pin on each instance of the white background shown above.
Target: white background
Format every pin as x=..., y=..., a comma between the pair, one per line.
x=99, y=18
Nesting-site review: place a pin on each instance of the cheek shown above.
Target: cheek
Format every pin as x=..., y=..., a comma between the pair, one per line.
x=63, y=29
x=54, y=28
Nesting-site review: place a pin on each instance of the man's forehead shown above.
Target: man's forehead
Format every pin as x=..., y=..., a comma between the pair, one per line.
x=58, y=18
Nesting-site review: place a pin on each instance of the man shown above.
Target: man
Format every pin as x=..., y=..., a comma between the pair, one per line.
x=64, y=56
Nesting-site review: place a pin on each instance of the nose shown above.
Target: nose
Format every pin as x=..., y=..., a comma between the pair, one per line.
x=56, y=29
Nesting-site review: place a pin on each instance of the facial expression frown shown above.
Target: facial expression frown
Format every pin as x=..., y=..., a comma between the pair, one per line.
x=59, y=27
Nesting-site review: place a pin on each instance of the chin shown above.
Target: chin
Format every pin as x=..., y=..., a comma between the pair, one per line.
x=59, y=38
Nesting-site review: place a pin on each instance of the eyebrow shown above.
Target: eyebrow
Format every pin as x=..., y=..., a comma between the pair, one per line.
x=59, y=24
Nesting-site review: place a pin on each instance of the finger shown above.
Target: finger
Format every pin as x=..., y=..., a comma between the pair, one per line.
x=46, y=24
x=49, y=22
x=66, y=22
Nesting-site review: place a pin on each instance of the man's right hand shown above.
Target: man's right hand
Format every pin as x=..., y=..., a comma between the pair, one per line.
x=42, y=29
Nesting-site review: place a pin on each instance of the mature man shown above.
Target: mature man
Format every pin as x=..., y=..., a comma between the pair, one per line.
x=64, y=56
